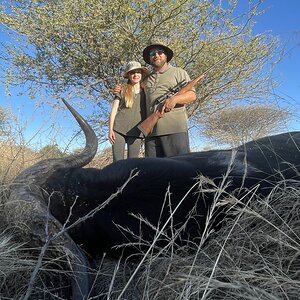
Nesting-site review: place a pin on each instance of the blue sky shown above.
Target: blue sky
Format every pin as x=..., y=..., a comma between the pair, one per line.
x=282, y=19
x=41, y=125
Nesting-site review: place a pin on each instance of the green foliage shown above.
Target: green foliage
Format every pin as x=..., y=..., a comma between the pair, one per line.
x=80, y=46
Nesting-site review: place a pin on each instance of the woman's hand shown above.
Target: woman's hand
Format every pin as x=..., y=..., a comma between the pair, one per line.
x=112, y=136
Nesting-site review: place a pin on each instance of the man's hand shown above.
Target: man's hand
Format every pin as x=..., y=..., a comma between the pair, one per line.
x=169, y=104
x=117, y=89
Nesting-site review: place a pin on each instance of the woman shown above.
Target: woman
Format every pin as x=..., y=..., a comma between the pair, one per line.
x=128, y=110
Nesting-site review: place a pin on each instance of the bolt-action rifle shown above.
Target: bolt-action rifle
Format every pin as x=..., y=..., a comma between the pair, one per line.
x=147, y=125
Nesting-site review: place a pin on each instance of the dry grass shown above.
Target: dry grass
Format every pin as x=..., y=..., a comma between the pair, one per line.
x=17, y=264
x=253, y=256
x=15, y=158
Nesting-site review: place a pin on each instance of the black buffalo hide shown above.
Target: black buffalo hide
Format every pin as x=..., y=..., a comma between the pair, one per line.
x=75, y=192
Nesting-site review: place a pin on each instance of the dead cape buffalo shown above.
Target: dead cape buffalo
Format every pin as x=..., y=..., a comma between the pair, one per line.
x=58, y=200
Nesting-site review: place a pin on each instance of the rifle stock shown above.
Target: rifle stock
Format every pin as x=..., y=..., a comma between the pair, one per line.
x=147, y=125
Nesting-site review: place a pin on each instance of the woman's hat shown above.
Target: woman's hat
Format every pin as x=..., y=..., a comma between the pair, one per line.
x=156, y=43
x=134, y=65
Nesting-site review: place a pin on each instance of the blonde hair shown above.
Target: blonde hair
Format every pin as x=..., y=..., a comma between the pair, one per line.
x=128, y=92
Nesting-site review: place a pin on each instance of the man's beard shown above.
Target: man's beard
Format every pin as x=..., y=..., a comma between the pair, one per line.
x=159, y=63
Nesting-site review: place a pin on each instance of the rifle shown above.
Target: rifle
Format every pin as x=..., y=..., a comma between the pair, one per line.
x=147, y=125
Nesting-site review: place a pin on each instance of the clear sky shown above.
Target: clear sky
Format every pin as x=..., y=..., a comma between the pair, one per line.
x=281, y=19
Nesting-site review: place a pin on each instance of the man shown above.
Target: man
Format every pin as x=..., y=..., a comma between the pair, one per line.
x=169, y=136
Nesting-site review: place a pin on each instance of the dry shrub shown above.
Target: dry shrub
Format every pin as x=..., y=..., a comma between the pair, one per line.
x=104, y=157
x=14, y=159
x=101, y=159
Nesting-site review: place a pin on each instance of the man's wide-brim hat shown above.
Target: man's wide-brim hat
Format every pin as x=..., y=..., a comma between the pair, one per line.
x=155, y=43
x=134, y=65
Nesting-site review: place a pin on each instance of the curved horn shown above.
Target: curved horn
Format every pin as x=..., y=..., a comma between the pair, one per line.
x=49, y=166
x=27, y=208
x=91, y=144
